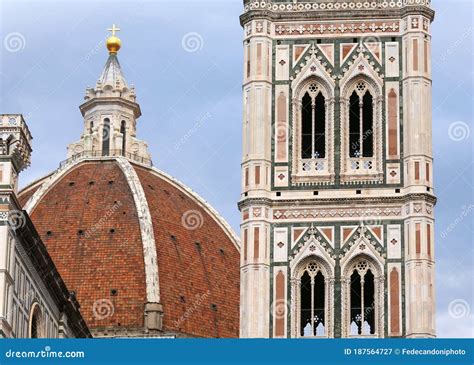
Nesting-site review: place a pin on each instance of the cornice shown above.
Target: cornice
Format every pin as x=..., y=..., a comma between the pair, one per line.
x=110, y=100
x=337, y=201
x=328, y=15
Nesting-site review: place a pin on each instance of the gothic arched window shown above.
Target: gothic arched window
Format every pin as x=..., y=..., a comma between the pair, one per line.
x=363, y=298
x=362, y=301
x=106, y=137
x=313, y=130
x=361, y=130
x=306, y=126
x=35, y=330
x=312, y=299
x=313, y=124
x=361, y=122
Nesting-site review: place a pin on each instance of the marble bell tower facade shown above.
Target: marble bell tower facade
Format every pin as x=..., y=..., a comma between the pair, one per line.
x=337, y=170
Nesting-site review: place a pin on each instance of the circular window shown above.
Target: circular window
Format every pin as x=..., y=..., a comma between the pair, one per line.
x=313, y=88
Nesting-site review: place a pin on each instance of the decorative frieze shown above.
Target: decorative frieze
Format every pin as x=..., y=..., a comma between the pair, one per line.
x=328, y=6
x=336, y=213
x=336, y=28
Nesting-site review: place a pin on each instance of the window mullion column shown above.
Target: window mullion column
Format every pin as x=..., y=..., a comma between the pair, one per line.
x=361, y=125
x=362, y=303
x=312, y=306
x=313, y=129
x=298, y=308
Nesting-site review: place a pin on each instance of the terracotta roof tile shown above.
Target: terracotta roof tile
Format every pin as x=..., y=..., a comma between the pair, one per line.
x=198, y=268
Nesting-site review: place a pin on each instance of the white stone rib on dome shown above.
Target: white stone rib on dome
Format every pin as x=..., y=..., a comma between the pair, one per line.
x=146, y=229
x=143, y=212
x=202, y=202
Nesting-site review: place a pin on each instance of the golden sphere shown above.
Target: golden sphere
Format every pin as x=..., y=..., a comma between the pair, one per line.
x=113, y=44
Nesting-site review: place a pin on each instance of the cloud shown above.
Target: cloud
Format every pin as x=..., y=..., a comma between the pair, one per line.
x=448, y=327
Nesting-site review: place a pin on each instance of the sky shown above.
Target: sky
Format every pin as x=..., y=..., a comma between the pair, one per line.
x=185, y=60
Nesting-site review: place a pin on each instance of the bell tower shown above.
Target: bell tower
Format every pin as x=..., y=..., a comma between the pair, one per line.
x=110, y=113
x=337, y=173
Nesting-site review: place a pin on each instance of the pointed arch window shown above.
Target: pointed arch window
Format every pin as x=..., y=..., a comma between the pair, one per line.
x=362, y=301
x=361, y=122
x=306, y=126
x=361, y=130
x=363, y=291
x=311, y=313
x=312, y=320
x=313, y=131
x=35, y=330
x=313, y=124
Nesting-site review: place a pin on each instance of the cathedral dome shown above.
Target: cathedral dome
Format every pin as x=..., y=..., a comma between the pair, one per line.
x=124, y=235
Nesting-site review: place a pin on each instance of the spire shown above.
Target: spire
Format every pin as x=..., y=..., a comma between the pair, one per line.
x=112, y=81
x=112, y=75
x=110, y=114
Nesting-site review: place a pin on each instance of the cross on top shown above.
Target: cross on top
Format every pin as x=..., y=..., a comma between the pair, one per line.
x=113, y=29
